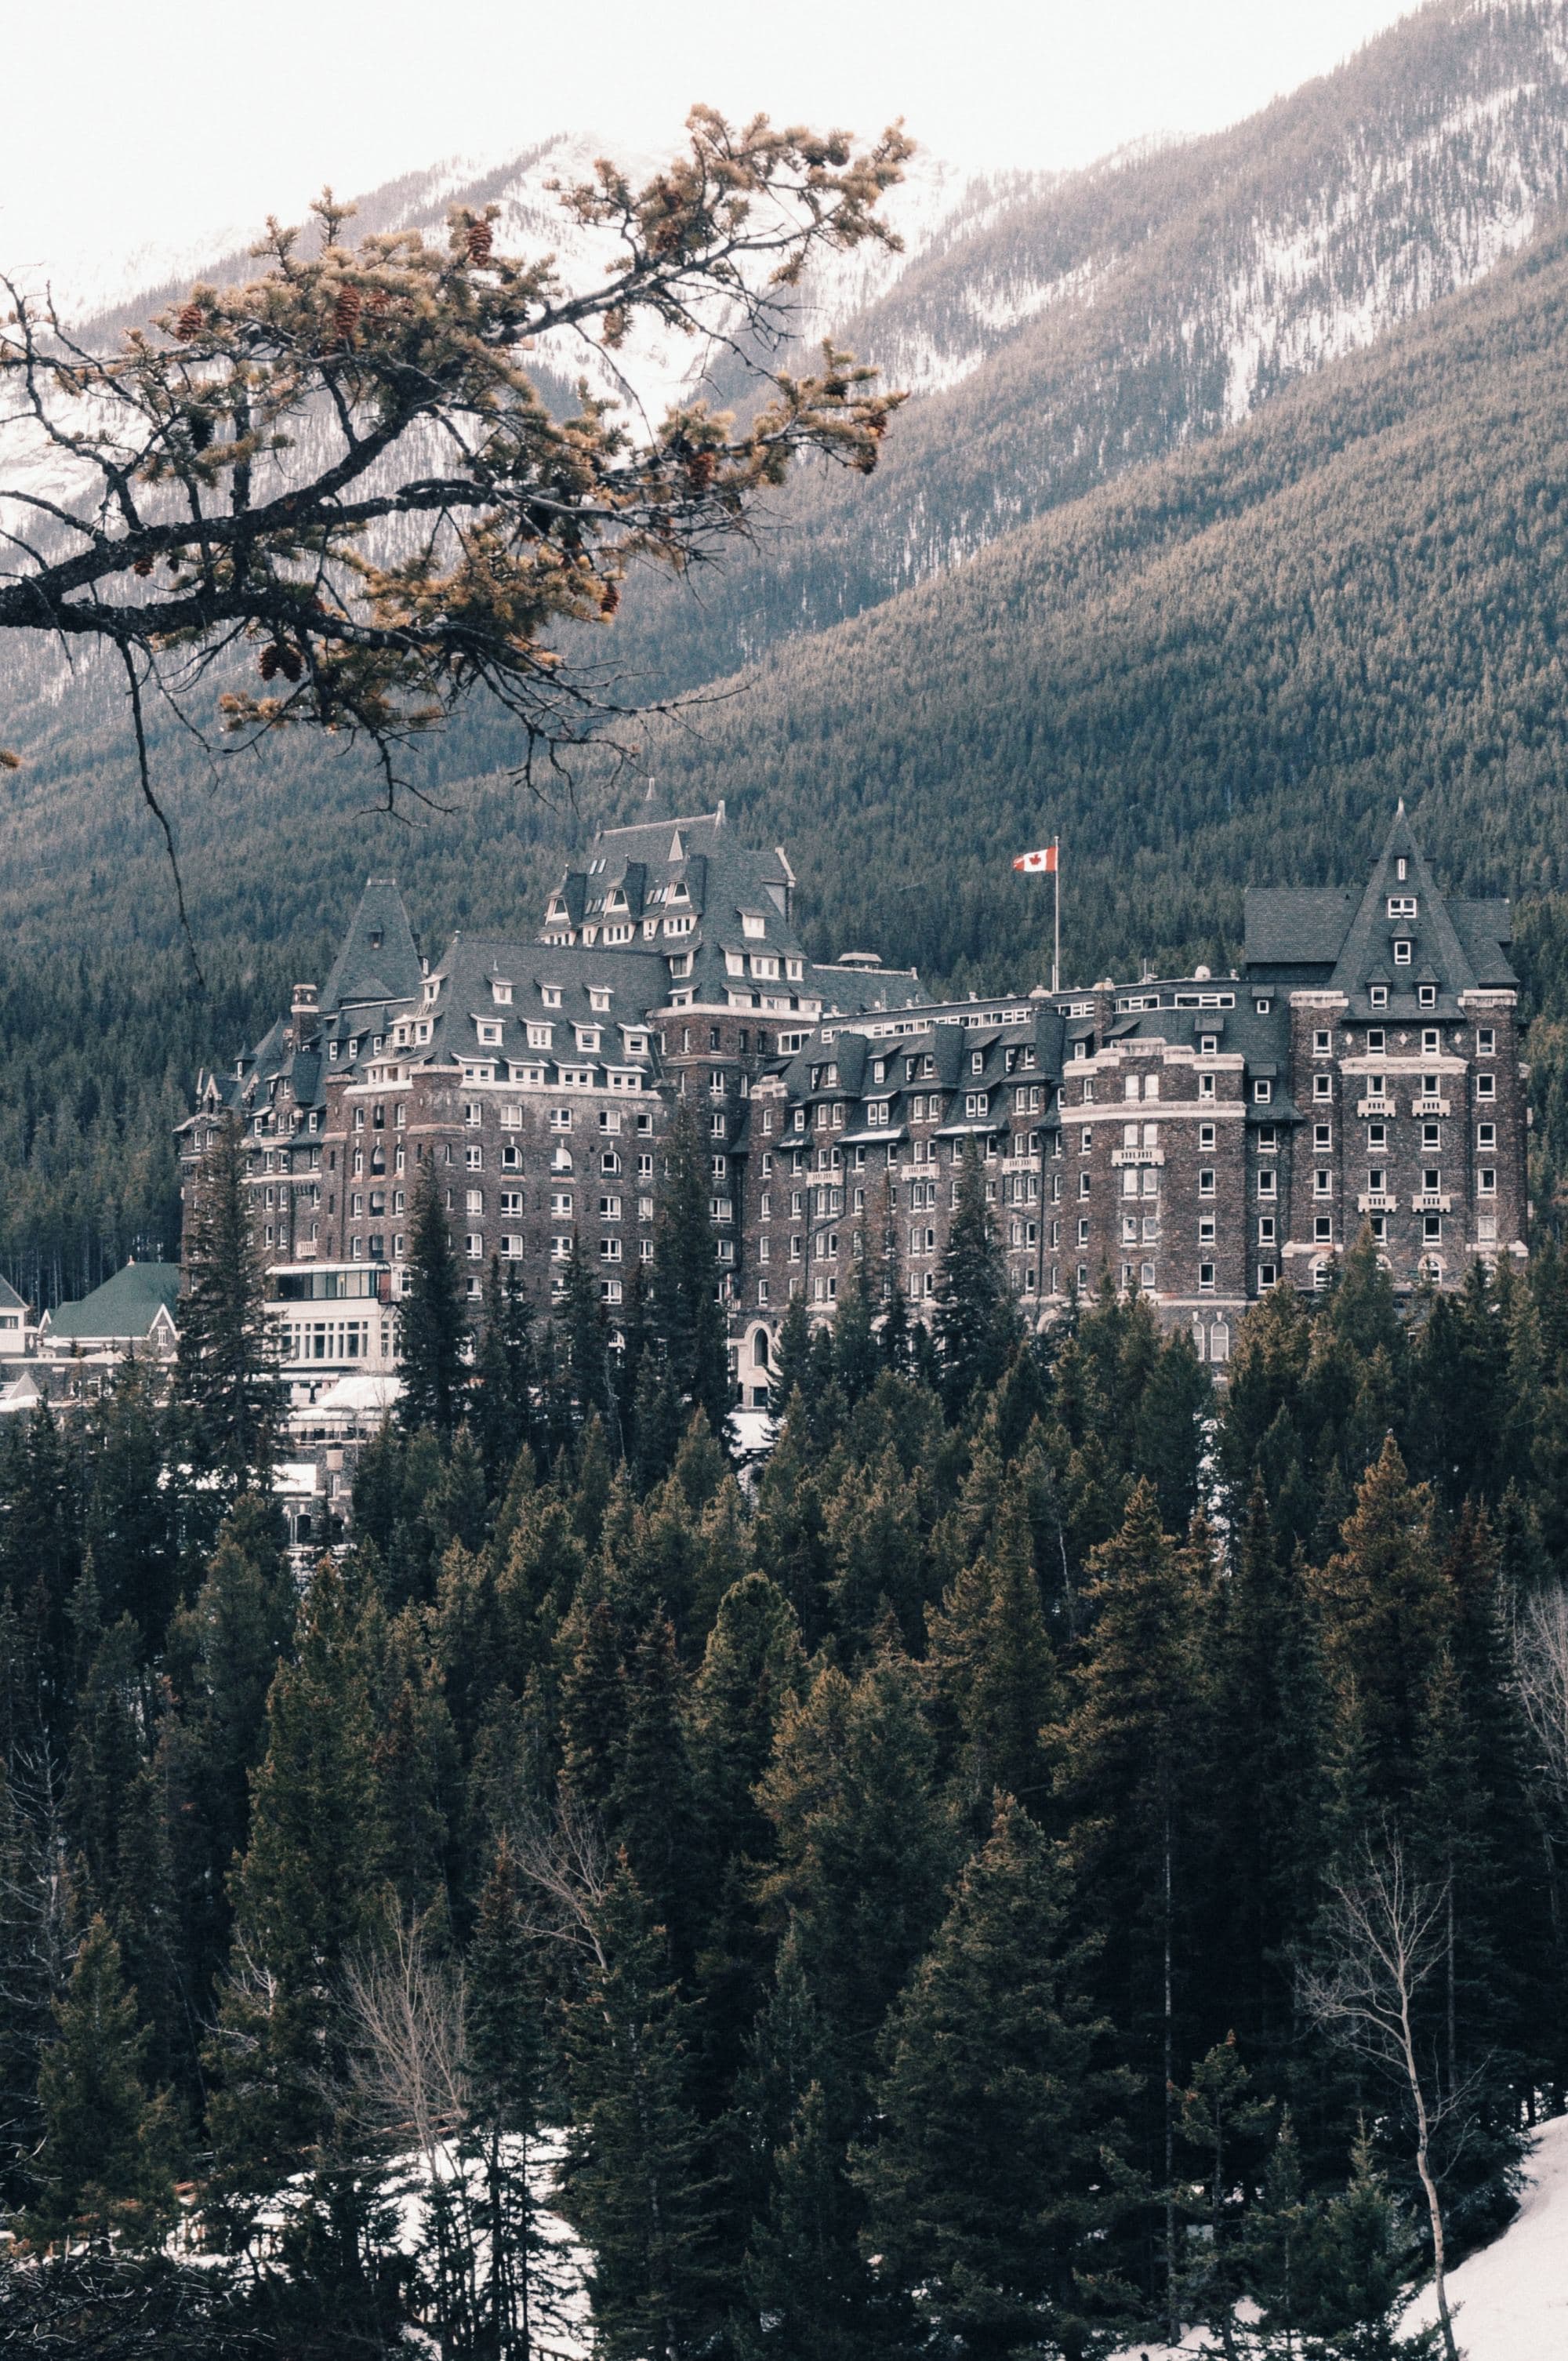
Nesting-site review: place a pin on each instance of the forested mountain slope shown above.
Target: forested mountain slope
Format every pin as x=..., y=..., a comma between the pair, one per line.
x=1057, y=339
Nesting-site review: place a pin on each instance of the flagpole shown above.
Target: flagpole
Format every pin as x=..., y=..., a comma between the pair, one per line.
x=1055, y=950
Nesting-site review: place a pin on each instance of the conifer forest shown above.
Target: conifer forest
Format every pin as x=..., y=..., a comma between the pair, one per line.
x=1050, y=1854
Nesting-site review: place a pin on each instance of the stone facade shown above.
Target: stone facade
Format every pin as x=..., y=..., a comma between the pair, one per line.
x=1201, y=1138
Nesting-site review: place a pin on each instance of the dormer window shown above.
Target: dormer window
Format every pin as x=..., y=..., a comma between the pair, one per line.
x=550, y=994
x=1377, y=995
x=490, y=1032
x=587, y=1036
x=1426, y=994
x=1401, y=906
x=500, y=993
x=753, y=925
x=795, y=969
x=977, y=1062
x=1208, y=1045
x=433, y=985
x=1262, y=1091
x=1402, y=869
x=598, y=998
x=1403, y=948
x=540, y=1036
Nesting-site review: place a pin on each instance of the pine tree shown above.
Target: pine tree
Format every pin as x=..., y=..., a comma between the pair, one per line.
x=585, y=1334
x=1134, y=1773
x=128, y=1526
x=988, y=2189
x=993, y=1668
x=978, y=1326
x=684, y=1313
x=635, y=2183
x=504, y=1374
x=103, y=2170
x=864, y=1848
x=432, y=1329
x=791, y=1359
x=301, y=1900
x=519, y=2286
x=231, y=1401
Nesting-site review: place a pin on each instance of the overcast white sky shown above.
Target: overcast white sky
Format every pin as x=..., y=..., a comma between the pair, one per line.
x=162, y=122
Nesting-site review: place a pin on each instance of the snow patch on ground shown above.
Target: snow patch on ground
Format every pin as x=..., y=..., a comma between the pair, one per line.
x=1510, y=2299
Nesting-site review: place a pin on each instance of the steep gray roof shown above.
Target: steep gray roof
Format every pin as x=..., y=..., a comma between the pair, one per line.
x=379, y=960
x=1296, y=925
x=1438, y=956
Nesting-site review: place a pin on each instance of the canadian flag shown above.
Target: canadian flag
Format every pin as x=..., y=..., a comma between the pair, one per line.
x=1044, y=859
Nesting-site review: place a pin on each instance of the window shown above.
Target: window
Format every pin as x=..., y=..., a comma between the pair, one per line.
x=1321, y=1044
x=474, y=1246
x=1205, y=1185
x=1430, y=1134
x=1376, y=1179
x=1208, y=1045
x=476, y=1201
x=1377, y=1137
x=1485, y=1086
x=1486, y=1180
x=1377, y=995
x=1083, y=1180
x=1323, y=1229
x=1205, y=1278
x=1485, y=1042
x=1265, y=1230
x=1262, y=1091
x=1205, y=1138
x=1267, y=1182
x=1266, y=1274
x=1323, y=1086
x=1083, y=1233
x=1402, y=950
x=1206, y=1230
x=1426, y=994
x=1401, y=906
x=1322, y=1181
x=473, y=1159
x=1431, y=1229
x=1322, y=1136
x=1485, y=1137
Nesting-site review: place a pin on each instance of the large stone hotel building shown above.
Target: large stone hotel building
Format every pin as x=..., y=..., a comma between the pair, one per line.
x=1202, y=1138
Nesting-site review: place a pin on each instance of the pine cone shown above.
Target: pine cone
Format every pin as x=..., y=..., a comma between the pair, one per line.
x=189, y=323
x=269, y=660
x=700, y=469
x=481, y=239
x=143, y=565
x=346, y=314
x=291, y=664
x=609, y=597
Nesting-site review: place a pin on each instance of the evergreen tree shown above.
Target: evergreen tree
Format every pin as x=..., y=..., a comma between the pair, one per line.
x=103, y=2171
x=505, y=1374
x=988, y=2189
x=1134, y=1773
x=635, y=2184
x=301, y=1902
x=793, y=1366
x=586, y=1336
x=684, y=1313
x=231, y=1400
x=978, y=1326
x=432, y=1328
x=519, y=2285
x=993, y=1668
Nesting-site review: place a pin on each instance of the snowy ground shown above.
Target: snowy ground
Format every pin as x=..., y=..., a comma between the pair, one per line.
x=1510, y=2299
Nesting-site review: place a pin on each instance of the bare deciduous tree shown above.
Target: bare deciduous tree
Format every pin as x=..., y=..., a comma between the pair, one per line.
x=1541, y=1681
x=1384, y=1937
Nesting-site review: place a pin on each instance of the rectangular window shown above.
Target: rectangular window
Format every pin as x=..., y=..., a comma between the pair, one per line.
x=1485, y=1042
x=1485, y=1086
x=1431, y=1229
x=1262, y=1091
x=1205, y=1138
x=1323, y=1229
x=1205, y=1185
x=1266, y=1274
x=1402, y=953
x=1265, y=1230
x=1486, y=1180
x=474, y=1246
x=1378, y=995
x=1206, y=1278
x=1321, y=1044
